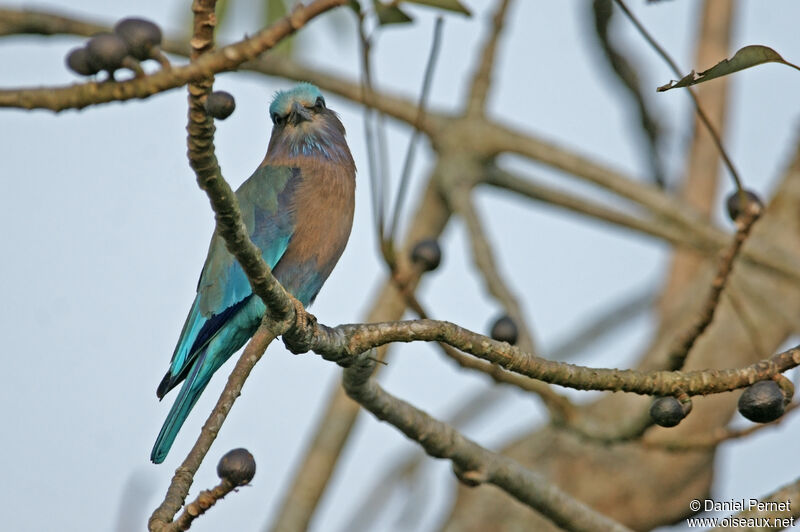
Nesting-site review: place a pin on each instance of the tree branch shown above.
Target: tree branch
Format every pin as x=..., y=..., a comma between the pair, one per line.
x=472, y=463
x=204, y=500
x=184, y=475
x=709, y=441
x=481, y=80
x=483, y=257
x=225, y=59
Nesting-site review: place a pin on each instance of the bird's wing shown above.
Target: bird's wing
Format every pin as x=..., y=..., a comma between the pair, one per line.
x=266, y=202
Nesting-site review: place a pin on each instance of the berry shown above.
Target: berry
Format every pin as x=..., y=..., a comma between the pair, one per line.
x=427, y=254
x=667, y=411
x=78, y=62
x=106, y=51
x=220, y=104
x=237, y=467
x=762, y=402
x=505, y=330
x=140, y=36
x=734, y=203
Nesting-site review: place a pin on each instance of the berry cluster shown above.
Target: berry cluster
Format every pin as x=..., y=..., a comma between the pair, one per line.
x=133, y=40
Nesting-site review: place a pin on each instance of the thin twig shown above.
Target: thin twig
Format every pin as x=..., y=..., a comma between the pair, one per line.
x=634, y=426
x=483, y=257
x=664, y=55
x=422, y=107
x=626, y=74
x=184, y=475
x=677, y=357
x=674, y=233
x=374, y=162
x=481, y=81
x=701, y=175
x=204, y=500
x=713, y=439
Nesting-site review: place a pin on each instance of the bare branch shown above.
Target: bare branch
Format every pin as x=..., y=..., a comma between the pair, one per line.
x=184, y=475
x=225, y=59
x=700, y=113
x=701, y=176
x=721, y=435
x=337, y=421
x=340, y=344
x=677, y=357
x=422, y=109
x=625, y=72
x=472, y=463
x=483, y=257
x=659, y=228
x=481, y=80
x=204, y=500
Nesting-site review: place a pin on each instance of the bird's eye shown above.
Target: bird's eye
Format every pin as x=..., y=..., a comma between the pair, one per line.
x=320, y=103
x=278, y=120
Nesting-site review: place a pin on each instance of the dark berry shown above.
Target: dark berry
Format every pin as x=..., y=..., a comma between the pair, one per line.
x=106, y=51
x=78, y=62
x=762, y=402
x=427, y=254
x=220, y=104
x=505, y=330
x=734, y=203
x=237, y=467
x=667, y=411
x=140, y=36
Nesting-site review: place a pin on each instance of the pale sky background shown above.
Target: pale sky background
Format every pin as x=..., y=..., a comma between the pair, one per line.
x=105, y=232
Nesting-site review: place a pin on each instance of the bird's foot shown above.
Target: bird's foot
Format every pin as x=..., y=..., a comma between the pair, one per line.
x=299, y=338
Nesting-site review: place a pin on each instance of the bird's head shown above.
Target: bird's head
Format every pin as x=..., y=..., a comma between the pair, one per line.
x=303, y=126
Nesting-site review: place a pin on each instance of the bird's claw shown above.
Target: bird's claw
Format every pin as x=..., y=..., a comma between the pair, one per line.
x=298, y=339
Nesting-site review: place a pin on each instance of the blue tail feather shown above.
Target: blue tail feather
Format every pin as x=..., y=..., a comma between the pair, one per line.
x=228, y=339
x=190, y=392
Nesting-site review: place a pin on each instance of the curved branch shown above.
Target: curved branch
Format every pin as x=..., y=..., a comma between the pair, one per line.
x=472, y=463
x=709, y=441
x=225, y=59
x=343, y=343
x=184, y=475
x=204, y=500
x=482, y=78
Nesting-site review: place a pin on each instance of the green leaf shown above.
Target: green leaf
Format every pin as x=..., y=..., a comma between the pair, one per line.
x=747, y=57
x=449, y=5
x=390, y=14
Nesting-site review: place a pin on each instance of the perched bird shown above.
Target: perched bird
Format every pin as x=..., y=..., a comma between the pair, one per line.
x=298, y=208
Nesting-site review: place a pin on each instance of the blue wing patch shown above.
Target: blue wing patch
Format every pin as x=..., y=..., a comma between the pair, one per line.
x=266, y=202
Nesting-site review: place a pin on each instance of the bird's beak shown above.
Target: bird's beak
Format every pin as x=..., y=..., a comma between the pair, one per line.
x=298, y=114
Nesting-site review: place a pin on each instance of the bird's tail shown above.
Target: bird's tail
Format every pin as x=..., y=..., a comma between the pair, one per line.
x=195, y=383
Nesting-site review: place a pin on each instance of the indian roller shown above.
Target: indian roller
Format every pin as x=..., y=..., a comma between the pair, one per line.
x=298, y=209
